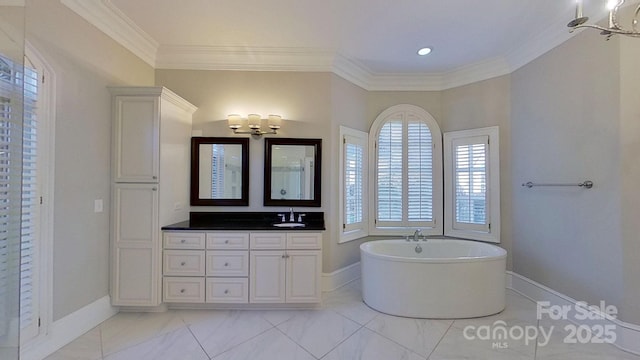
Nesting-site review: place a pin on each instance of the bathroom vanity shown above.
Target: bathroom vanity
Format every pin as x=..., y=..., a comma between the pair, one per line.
x=242, y=258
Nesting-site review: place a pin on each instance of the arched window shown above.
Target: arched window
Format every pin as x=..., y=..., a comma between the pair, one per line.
x=406, y=171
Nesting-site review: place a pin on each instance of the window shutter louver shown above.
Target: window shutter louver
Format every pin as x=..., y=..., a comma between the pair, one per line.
x=390, y=171
x=419, y=172
x=30, y=204
x=353, y=182
x=11, y=114
x=471, y=183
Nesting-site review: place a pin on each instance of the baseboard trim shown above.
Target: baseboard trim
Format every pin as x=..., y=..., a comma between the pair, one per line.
x=340, y=277
x=69, y=328
x=627, y=334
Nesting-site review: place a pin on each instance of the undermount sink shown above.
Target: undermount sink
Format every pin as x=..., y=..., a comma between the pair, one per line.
x=289, y=225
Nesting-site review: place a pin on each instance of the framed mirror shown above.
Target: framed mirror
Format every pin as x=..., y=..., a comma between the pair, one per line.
x=292, y=172
x=219, y=171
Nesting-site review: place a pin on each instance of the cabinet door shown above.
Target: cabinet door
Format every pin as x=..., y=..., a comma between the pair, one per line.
x=303, y=276
x=135, y=246
x=136, y=139
x=267, y=277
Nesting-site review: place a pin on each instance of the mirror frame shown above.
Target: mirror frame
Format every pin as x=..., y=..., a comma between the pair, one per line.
x=195, y=171
x=317, y=169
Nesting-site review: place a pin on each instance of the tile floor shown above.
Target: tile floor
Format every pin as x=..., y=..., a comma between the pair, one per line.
x=343, y=329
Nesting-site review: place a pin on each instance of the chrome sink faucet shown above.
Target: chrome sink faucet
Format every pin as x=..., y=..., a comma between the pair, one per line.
x=292, y=217
x=417, y=235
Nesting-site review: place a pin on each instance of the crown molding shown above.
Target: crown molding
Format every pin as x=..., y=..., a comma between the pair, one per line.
x=534, y=47
x=110, y=20
x=244, y=58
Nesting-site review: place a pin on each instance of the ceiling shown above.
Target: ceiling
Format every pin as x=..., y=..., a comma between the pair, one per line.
x=372, y=43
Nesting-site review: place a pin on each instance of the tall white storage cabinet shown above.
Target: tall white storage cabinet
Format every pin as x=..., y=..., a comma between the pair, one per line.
x=150, y=189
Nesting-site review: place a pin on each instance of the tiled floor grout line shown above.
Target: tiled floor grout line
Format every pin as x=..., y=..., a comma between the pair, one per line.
x=393, y=341
x=439, y=341
x=198, y=341
x=341, y=342
x=235, y=346
x=295, y=342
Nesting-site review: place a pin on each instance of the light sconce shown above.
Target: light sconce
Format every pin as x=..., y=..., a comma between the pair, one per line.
x=614, y=27
x=254, y=121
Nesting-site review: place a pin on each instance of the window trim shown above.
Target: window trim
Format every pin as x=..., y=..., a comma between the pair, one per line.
x=361, y=230
x=436, y=135
x=46, y=147
x=492, y=234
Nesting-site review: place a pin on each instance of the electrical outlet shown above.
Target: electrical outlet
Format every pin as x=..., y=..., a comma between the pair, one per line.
x=98, y=206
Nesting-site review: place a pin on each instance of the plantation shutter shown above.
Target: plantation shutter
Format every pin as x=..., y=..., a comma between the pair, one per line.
x=390, y=172
x=30, y=209
x=471, y=193
x=404, y=177
x=419, y=172
x=353, y=183
x=11, y=109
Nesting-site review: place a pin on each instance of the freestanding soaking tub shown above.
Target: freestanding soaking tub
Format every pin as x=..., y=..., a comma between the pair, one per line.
x=440, y=279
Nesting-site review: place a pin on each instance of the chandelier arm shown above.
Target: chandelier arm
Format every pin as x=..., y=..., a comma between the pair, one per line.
x=607, y=30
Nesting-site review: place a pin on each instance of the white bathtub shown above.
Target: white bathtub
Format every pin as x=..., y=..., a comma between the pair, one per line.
x=449, y=279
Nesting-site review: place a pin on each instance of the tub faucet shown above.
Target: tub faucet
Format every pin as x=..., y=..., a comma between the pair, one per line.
x=417, y=235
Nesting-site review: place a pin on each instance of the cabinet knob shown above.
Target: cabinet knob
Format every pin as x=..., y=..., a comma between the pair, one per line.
x=183, y=263
x=226, y=264
x=226, y=291
x=182, y=291
x=154, y=177
x=183, y=241
x=154, y=188
x=226, y=241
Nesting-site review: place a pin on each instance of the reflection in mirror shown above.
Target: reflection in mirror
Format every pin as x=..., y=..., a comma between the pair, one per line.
x=292, y=172
x=219, y=171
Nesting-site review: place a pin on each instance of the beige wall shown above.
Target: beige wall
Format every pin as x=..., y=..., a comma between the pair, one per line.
x=85, y=62
x=565, y=128
x=629, y=133
x=482, y=104
x=348, y=107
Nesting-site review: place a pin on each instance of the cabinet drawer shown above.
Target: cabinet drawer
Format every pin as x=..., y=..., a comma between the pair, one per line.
x=183, y=263
x=227, y=290
x=303, y=240
x=184, y=290
x=270, y=240
x=184, y=240
x=228, y=241
x=227, y=263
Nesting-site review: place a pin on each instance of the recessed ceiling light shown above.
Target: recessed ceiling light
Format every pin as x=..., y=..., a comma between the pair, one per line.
x=424, y=51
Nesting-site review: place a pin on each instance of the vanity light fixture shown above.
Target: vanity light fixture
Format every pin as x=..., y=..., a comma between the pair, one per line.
x=254, y=121
x=614, y=27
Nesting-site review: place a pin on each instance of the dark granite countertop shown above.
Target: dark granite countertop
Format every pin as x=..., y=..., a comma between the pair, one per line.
x=313, y=221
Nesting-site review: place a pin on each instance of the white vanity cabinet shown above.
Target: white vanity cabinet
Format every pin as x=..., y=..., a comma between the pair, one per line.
x=150, y=188
x=211, y=267
x=285, y=267
x=242, y=267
